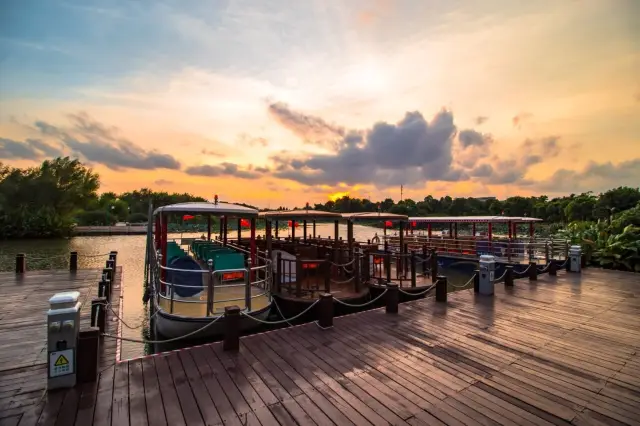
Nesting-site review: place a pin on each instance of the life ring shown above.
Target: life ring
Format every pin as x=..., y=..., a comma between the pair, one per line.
x=375, y=239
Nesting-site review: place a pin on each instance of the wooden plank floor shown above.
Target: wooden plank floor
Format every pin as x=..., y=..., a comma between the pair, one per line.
x=557, y=351
x=23, y=352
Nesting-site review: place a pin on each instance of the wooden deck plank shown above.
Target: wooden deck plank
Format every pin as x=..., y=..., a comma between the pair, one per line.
x=555, y=352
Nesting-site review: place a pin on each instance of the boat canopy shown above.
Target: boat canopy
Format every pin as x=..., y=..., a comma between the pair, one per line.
x=474, y=219
x=374, y=216
x=301, y=214
x=214, y=209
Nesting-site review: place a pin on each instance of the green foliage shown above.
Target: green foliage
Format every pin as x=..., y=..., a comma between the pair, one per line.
x=614, y=245
x=137, y=218
x=42, y=201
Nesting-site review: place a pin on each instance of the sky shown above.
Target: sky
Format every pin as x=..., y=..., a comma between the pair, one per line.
x=278, y=103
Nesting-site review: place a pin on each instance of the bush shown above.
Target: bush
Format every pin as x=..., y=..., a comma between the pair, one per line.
x=95, y=218
x=137, y=218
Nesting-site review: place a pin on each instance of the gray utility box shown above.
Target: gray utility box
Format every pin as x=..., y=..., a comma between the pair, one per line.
x=487, y=274
x=63, y=326
x=575, y=258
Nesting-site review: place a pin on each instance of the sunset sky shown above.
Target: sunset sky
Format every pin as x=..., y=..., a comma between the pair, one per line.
x=279, y=102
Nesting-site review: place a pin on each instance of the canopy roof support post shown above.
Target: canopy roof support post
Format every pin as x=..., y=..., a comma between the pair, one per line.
x=350, y=238
x=401, y=251
x=239, y=231
x=225, y=230
x=509, y=224
x=532, y=231
x=164, y=219
x=450, y=230
x=314, y=229
x=515, y=230
x=158, y=233
x=336, y=230
x=252, y=250
x=208, y=227
x=293, y=231
x=277, y=227
x=304, y=230
x=429, y=230
x=473, y=230
x=455, y=230
x=267, y=229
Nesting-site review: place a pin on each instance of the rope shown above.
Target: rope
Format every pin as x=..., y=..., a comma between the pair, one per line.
x=497, y=280
x=464, y=285
x=343, y=265
x=416, y=294
x=127, y=339
x=283, y=320
x=342, y=282
x=280, y=312
x=364, y=304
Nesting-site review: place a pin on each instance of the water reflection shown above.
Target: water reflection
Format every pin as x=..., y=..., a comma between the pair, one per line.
x=54, y=254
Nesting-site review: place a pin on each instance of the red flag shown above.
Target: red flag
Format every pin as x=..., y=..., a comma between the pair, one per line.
x=187, y=217
x=291, y=223
x=388, y=224
x=245, y=223
x=414, y=223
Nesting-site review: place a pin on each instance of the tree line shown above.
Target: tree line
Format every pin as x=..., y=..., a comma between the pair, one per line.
x=49, y=199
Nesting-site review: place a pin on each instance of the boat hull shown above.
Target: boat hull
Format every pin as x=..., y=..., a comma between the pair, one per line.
x=172, y=326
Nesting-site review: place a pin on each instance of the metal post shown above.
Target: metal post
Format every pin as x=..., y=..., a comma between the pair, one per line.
x=88, y=355
x=356, y=271
x=21, y=263
x=508, y=278
x=99, y=313
x=327, y=273
x=387, y=265
x=552, y=268
x=325, y=310
x=392, y=298
x=441, y=289
x=73, y=261
x=231, y=340
x=533, y=271
x=476, y=281
x=247, y=286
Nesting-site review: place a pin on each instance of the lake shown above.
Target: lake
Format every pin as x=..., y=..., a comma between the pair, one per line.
x=54, y=254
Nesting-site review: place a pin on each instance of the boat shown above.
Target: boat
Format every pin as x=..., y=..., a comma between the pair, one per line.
x=193, y=280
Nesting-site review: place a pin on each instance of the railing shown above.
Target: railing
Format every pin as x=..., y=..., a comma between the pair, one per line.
x=258, y=276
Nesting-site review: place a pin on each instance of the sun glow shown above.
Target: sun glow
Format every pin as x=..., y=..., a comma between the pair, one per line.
x=337, y=195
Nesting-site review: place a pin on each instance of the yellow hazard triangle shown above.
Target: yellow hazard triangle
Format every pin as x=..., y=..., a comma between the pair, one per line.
x=62, y=360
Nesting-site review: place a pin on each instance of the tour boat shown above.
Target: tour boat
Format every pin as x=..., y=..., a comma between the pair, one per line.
x=193, y=280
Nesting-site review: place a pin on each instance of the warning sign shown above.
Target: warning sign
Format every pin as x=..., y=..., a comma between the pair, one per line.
x=61, y=363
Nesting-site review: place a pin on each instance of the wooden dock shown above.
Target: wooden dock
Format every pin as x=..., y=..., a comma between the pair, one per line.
x=23, y=335
x=560, y=350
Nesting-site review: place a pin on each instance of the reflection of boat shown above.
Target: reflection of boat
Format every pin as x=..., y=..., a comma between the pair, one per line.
x=194, y=280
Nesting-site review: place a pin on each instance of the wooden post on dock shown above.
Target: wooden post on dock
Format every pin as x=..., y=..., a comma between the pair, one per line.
x=112, y=264
x=413, y=268
x=99, y=313
x=231, y=340
x=73, y=261
x=21, y=263
x=434, y=266
x=476, y=281
x=553, y=268
x=88, y=355
x=533, y=271
x=508, y=278
x=441, y=289
x=113, y=255
x=107, y=274
x=583, y=261
x=325, y=310
x=392, y=298
x=104, y=288
x=366, y=266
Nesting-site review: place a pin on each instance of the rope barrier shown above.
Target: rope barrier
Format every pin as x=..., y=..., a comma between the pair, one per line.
x=342, y=265
x=175, y=339
x=364, y=304
x=342, y=282
x=93, y=255
x=497, y=280
x=464, y=285
x=417, y=294
x=283, y=320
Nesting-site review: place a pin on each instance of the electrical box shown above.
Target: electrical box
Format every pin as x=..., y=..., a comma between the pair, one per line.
x=575, y=258
x=487, y=274
x=63, y=326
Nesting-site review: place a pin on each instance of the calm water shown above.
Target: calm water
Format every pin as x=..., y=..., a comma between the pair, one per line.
x=48, y=254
